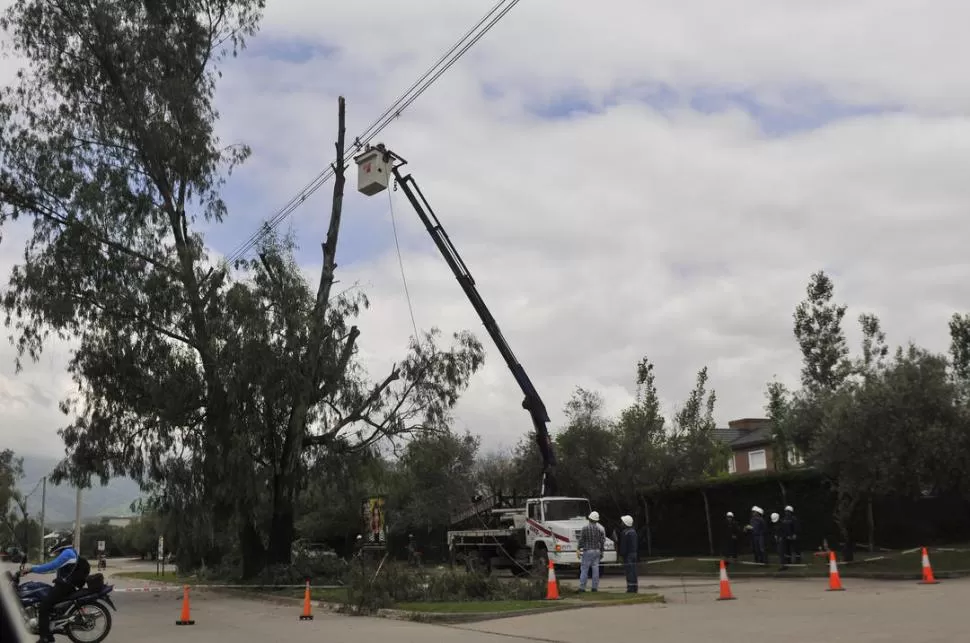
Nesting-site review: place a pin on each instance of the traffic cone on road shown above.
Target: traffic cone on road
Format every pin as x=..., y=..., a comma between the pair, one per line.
x=186, y=618
x=726, y=594
x=552, y=585
x=307, y=614
x=835, y=582
x=928, y=578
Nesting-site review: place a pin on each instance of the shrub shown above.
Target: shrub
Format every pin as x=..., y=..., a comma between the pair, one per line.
x=370, y=589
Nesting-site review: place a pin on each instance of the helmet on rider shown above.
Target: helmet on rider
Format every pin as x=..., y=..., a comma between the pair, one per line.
x=59, y=544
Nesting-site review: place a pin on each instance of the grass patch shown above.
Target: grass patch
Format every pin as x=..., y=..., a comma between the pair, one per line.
x=613, y=597
x=167, y=577
x=501, y=606
x=473, y=607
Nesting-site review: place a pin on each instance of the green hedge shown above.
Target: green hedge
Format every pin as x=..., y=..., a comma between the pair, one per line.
x=679, y=524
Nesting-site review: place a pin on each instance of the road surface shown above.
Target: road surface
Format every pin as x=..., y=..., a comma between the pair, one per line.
x=800, y=611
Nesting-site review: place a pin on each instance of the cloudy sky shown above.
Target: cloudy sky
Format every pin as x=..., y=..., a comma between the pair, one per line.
x=627, y=178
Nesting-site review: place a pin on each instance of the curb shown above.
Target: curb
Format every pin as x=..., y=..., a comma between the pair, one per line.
x=473, y=617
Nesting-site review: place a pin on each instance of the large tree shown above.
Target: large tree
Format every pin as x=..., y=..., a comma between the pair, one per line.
x=818, y=329
x=587, y=448
x=11, y=500
x=213, y=392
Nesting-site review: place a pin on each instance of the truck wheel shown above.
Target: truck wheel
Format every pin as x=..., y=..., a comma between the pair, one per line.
x=540, y=559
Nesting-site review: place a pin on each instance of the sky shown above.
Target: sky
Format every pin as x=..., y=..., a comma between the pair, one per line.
x=651, y=179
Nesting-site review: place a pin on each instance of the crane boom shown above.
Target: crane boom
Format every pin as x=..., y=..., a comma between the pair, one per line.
x=375, y=161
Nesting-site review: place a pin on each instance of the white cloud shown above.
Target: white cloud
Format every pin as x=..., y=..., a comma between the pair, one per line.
x=603, y=237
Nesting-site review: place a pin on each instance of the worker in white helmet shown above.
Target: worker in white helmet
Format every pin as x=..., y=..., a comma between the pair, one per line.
x=732, y=536
x=592, y=541
x=756, y=529
x=793, y=550
x=629, y=546
x=779, y=538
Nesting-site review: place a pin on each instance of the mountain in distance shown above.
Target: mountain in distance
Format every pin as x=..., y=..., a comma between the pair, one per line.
x=113, y=500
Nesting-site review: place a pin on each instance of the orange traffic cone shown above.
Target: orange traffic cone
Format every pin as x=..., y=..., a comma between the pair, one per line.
x=307, y=614
x=835, y=582
x=726, y=594
x=552, y=585
x=928, y=578
x=186, y=611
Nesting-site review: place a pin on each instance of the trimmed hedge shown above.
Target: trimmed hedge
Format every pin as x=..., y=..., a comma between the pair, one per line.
x=679, y=523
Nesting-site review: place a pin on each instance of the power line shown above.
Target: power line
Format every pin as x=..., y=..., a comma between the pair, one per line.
x=467, y=41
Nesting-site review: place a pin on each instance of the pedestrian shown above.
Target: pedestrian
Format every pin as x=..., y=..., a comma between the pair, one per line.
x=793, y=546
x=629, y=553
x=592, y=540
x=732, y=534
x=756, y=529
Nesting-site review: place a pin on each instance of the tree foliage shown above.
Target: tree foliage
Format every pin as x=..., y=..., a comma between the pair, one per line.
x=874, y=425
x=215, y=386
x=11, y=499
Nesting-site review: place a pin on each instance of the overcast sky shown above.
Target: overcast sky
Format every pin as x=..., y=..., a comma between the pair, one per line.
x=624, y=179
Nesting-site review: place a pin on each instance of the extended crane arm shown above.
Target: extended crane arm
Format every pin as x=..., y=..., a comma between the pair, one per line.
x=391, y=162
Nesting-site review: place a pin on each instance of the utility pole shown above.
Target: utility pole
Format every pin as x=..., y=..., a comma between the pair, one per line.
x=43, y=507
x=77, y=522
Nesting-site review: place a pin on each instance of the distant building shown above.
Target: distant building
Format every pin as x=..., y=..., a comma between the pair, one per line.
x=753, y=447
x=114, y=521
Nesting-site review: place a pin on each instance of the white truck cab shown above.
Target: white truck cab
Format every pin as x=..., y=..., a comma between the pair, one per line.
x=552, y=525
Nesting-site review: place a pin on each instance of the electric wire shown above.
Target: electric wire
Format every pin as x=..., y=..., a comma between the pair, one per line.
x=400, y=261
x=457, y=51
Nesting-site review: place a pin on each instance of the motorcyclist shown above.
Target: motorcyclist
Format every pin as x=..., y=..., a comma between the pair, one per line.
x=71, y=571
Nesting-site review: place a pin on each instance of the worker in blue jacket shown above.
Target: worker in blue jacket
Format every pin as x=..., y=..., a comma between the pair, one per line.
x=70, y=573
x=628, y=553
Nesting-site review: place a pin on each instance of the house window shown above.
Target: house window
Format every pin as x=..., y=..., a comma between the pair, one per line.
x=795, y=458
x=731, y=466
x=757, y=461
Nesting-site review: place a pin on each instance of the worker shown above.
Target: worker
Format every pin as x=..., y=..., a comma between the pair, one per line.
x=793, y=548
x=779, y=538
x=756, y=529
x=628, y=543
x=592, y=540
x=732, y=532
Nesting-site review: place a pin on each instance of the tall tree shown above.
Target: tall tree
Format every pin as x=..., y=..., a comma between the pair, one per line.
x=436, y=479
x=960, y=350
x=588, y=448
x=11, y=500
x=778, y=410
x=109, y=149
x=643, y=460
x=818, y=329
x=210, y=392
x=700, y=453
x=874, y=347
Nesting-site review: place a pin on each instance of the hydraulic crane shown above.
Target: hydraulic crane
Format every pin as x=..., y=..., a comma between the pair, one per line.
x=376, y=167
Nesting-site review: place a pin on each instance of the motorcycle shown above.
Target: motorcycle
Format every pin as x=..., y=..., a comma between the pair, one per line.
x=77, y=616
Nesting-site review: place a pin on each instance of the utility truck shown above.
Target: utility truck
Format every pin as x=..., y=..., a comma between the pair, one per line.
x=520, y=534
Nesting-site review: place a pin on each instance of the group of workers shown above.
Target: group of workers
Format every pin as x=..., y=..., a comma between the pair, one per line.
x=592, y=542
x=782, y=531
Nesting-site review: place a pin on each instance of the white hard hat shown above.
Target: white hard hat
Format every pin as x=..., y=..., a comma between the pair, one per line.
x=730, y=514
x=627, y=520
x=758, y=510
x=594, y=516
x=789, y=508
x=774, y=517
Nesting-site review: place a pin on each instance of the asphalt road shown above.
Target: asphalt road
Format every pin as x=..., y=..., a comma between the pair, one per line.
x=799, y=611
